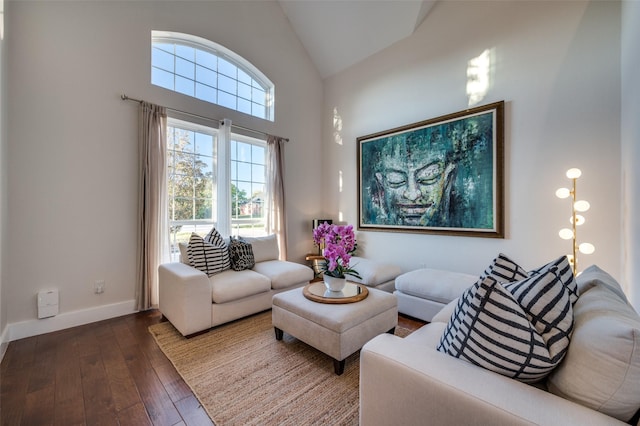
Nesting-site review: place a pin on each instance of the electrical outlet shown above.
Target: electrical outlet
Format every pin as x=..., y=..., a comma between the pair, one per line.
x=98, y=286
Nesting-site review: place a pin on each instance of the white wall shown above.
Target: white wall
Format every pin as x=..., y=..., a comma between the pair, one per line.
x=72, y=141
x=557, y=67
x=631, y=147
x=3, y=184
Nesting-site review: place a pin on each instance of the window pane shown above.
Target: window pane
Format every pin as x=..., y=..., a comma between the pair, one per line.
x=203, y=166
x=234, y=171
x=185, y=68
x=185, y=140
x=257, y=173
x=244, y=171
x=205, y=75
x=203, y=209
x=206, y=93
x=206, y=59
x=234, y=149
x=258, y=154
x=244, y=77
x=244, y=91
x=183, y=209
x=244, y=152
x=244, y=106
x=258, y=96
x=245, y=188
x=185, y=52
x=184, y=85
x=258, y=110
x=162, y=78
x=226, y=100
x=162, y=59
x=227, y=84
x=167, y=47
x=227, y=68
x=204, y=144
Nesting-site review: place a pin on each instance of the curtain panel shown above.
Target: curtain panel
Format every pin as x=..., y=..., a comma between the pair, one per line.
x=276, y=219
x=152, y=249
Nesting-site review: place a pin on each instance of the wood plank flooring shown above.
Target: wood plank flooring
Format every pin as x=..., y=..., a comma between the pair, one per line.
x=106, y=373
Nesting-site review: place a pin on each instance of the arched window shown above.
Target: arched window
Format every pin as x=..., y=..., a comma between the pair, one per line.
x=205, y=70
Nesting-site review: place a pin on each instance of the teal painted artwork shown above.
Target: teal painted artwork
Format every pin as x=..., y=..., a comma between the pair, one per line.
x=441, y=175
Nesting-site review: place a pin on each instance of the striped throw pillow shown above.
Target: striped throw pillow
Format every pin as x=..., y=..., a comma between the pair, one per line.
x=207, y=257
x=241, y=254
x=505, y=270
x=489, y=328
x=546, y=301
x=565, y=273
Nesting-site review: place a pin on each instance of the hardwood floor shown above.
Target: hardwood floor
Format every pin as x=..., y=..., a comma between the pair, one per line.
x=109, y=372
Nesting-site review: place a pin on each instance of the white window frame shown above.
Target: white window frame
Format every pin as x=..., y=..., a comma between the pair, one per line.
x=228, y=55
x=220, y=192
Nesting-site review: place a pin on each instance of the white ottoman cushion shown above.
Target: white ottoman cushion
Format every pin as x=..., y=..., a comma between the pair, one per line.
x=434, y=284
x=373, y=273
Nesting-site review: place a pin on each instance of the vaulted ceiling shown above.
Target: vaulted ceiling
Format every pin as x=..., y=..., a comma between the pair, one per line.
x=341, y=33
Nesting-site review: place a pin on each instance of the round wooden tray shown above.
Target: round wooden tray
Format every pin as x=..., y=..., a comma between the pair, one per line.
x=352, y=293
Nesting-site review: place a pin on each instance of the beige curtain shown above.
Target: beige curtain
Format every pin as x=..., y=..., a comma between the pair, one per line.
x=152, y=202
x=276, y=220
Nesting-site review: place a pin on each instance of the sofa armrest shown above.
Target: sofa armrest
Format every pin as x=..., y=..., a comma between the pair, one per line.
x=406, y=383
x=185, y=297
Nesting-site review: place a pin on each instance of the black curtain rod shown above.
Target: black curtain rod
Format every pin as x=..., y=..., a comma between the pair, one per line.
x=127, y=98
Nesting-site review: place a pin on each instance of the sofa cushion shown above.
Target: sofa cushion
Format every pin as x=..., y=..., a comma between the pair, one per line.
x=489, y=328
x=284, y=274
x=210, y=258
x=264, y=248
x=240, y=254
x=373, y=273
x=602, y=367
x=434, y=284
x=233, y=285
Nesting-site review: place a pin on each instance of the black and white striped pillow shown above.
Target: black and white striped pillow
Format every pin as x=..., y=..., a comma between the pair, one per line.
x=208, y=257
x=241, y=254
x=546, y=301
x=505, y=270
x=565, y=273
x=489, y=328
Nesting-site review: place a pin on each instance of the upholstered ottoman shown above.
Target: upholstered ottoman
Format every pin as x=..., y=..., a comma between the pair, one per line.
x=375, y=274
x=338, y=330
x=424, y=292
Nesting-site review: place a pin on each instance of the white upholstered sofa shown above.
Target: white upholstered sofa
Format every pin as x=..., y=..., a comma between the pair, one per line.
x=408, y=382
x=194, y=302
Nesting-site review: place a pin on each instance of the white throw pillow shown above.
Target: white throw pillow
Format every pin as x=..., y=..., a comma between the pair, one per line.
x=264, y=248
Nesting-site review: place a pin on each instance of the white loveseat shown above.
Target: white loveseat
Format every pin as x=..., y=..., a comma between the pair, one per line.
x=194, y=302
x=408, y=382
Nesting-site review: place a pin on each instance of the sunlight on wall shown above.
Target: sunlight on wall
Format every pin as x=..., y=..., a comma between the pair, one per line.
x=479, y=71
x=1, y=19
x=337, y=127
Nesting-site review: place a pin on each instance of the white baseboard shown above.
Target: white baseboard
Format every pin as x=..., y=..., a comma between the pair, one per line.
x=34, y=327
x=4, y=342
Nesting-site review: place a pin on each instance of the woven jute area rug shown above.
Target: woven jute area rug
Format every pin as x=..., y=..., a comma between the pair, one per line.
x=242, y=375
